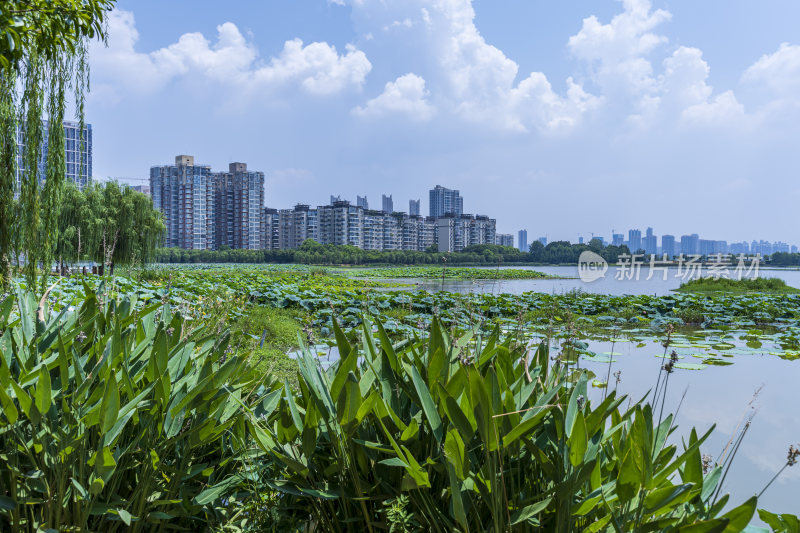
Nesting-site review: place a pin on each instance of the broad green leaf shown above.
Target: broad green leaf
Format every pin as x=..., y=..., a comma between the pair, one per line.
x=578, y=441
x=42, y=394
x=428, y=407
x=740, y=516
x=454, y=450
x=528, y=512
x=109, y=408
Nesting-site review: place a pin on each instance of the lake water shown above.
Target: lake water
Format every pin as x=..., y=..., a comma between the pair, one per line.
x=722, y=395
x=614, y=282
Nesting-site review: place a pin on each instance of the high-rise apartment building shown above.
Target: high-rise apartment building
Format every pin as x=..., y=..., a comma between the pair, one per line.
x=444, y=202
x=668, y=245
x=456, y=232
x=77, y=153
x=650, y=242
x=184, y=192
x=387, y=204
x=239, y=196
x=542, y=240
x=204, y=210
x=361, y=201
x=522, y=240
x=413, y=208
x=634, y=240
x=270, y=224
x=617, y=239
x=504, y=239
x=690, y=244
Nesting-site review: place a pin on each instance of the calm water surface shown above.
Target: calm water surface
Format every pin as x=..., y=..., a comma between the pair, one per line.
x=656, y=285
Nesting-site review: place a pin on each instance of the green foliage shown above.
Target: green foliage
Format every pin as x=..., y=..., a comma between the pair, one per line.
x=450, y=273
x=108, y=223
x=53, y=28
x=765, y=285
x=120, y=415
x=42, y=54
x=313, y=253
x=267, y=335
x=470, y=434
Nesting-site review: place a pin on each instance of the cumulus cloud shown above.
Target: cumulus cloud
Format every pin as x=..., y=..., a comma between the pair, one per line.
x=685, y=89
x=616, y=52
x=318, y=68
x=406, y=95
x=779, y=71
x=469, y=77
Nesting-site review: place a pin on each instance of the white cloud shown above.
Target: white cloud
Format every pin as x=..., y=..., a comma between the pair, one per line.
x=468, y=76
x=406, y=95
x=616, y=51
x=779, y=71
x=317, y=67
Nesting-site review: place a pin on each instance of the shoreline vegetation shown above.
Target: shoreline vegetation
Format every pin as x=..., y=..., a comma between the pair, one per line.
x=449, y=273
x=557, y=253
x=743, y=286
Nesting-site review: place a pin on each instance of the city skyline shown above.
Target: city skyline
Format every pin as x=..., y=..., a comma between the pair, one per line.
x=488, y=97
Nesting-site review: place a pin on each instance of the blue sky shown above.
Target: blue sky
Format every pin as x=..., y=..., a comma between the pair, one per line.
x=564, y=118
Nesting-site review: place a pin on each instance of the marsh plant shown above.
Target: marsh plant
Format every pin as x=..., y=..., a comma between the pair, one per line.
x=462, y=438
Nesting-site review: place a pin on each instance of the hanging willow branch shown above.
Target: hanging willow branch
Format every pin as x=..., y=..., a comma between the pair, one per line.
x=43, y=53
x=8, y=171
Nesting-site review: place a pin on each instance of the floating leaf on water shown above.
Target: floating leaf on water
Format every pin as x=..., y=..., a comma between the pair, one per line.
x=598, y=359
x=716, y=362
x=723, y=346
x=690, y=366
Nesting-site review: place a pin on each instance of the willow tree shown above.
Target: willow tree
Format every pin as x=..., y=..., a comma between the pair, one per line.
x=43, y=63
x=107, y=223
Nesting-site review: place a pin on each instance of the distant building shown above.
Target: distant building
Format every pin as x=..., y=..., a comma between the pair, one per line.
x=543, y=240
x=204, y=210
x=335, y=199
x=737, y=248
x=580, y=239
x=634, y=240
x=184, y=192
x=361, y=201
x=668, y=245
x=387, y=204
x=444, y=202
x=650, y=242
x=504, y=239
x=456, y=232
x=77, y=153
x=239, y=201
x=144, y=189
x=617, y=239
x=522, y=240
x=690, y=244
x=413, y=208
